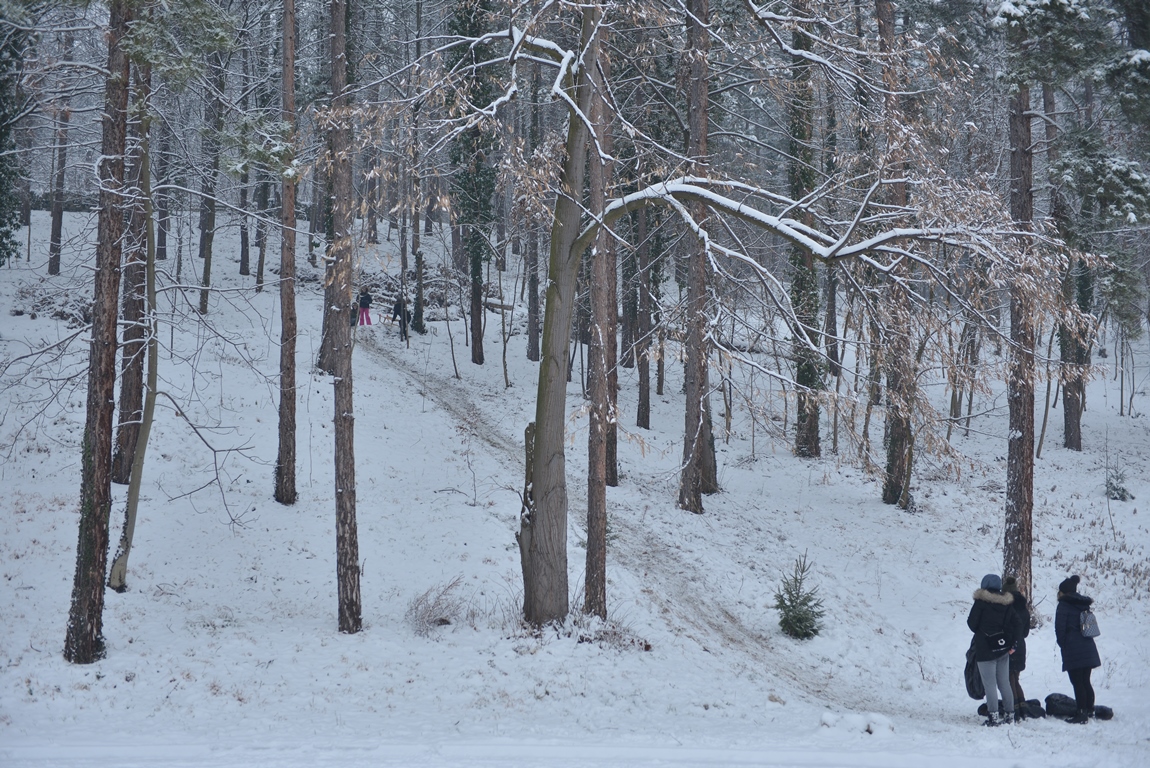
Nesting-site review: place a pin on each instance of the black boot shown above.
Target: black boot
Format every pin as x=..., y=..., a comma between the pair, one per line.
x=1079, y=718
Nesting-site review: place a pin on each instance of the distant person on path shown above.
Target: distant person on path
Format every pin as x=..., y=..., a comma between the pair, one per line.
x=1079, y=654
x=364, y=306
x=1018, y=658
x=401, y=313
x=994, y=624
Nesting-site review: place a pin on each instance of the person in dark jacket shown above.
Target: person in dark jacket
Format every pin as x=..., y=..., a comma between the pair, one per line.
x=364, y=306
x=1079, y=654
x=1022, y=631
x=401, y=313
x=993, y=621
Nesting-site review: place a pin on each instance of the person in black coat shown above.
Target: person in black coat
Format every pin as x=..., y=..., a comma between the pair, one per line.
x=1079, y=654
x=364, y=307
x=1018, y=658
x=993, y=621
x=401, y=313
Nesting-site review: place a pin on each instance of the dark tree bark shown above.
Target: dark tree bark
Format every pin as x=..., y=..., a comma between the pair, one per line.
x=135, y=289
x=84, y=640
x=163, y=175
x=263, y=201
x=63, y=116
x=285, y=478
x=118, y=573
x=475, y=246
x=245, y=175
x=213, y=128
x=804, y=280
x=417, y=323
x=643, y=322
x=325, y=359
x=533, y=235
x=371, y=195
x=697, y=443
x=1020, y=376
x=629, y=277
x=542, y=533
x=346, y=531
x=599, y=350
x=899, y=360
x=1077, y=288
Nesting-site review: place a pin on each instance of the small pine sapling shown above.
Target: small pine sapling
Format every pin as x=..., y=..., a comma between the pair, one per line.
x=800, y=610
x=1116, y=489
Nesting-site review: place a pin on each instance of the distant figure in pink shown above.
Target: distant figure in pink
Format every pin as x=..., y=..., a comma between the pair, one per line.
x=364, y=306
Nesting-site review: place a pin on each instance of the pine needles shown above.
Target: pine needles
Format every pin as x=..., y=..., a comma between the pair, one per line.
x=800, y=610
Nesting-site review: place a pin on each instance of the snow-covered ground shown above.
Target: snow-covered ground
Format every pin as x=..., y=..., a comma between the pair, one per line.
x=225, y=651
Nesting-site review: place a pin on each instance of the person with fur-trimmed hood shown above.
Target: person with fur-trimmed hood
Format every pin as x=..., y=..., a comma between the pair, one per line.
x=994, y=623
x=1079, y=654
x=1018, y=658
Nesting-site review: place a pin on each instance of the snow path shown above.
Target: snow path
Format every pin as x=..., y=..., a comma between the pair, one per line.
x=464, y=756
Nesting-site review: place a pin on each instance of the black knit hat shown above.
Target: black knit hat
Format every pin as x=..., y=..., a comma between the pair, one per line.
x=1069, y=585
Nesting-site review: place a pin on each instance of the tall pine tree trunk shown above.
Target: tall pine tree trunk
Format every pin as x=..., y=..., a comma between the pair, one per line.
x=213, y=129
x=533, y=234
x=1077, y=289
x=899, y=361
x=163, y=175
x=118, y=573
x=346, y=531
x=476, y=247
x=697, y=443
x=643, y=322
x=285, y=479
x=63, y=115
x=245, y=175
x=134, y=307
x=804, y=280
x=84, y=639
x=1020, y=372
x=598, y=353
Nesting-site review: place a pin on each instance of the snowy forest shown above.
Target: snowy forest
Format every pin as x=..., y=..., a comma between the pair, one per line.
x=639, y=271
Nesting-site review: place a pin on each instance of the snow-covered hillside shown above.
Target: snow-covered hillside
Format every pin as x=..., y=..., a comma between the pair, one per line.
x=224, y=650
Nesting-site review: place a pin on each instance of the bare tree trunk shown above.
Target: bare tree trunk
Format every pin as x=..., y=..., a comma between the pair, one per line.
x=214, y=126
x=900, y=364
x=542, y=533
x=118, y=573
x=1078, y=288
x=630, y=301
x=371, y=213
x=474, y=246
x=602, y=324
x=417, y=323
x=263, y=200
x=804, y=280
x=342, y=251
x=1020, y=377
x=63, y=115
x=84, y=639
x=245, y=175
x=134, y=279
x=696, y=434
x=163, y=175
x=533, y=235
x=285, y=480
x=643, y=325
